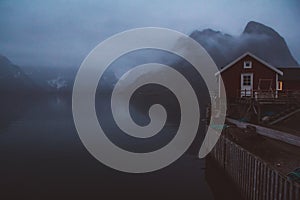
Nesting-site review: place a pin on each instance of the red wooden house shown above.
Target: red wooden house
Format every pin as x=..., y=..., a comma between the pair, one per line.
x=254, y=84
x=250, y=76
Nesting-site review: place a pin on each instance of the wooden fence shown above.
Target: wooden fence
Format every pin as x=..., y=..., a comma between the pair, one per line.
x=254, y=177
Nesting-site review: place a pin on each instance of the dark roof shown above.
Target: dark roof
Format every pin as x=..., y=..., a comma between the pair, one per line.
x=288, y=67
x=290, y=74
x=253, y=56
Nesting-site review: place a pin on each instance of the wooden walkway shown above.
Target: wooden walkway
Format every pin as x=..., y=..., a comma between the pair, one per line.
x=268, y=132
x=285, y=116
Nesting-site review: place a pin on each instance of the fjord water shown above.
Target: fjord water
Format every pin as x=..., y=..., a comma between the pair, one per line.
x=42, y=157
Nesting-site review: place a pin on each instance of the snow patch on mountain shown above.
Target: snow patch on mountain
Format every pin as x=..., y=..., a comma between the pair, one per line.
x=58, y=83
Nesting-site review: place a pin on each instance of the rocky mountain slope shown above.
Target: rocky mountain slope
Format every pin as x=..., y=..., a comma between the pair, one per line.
x=12, y=78
x=256, y=38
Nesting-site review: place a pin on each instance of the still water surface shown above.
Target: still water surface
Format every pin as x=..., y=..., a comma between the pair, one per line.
x=42, y=157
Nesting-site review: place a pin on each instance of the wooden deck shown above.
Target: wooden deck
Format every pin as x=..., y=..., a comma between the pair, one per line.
x=257, y=101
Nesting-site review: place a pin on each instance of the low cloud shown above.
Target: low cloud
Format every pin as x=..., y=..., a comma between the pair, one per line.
x=62, y=33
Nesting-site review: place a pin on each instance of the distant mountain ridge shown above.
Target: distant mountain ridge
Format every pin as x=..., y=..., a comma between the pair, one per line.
x=256, y=38
x=47, y=80
x=12, y=78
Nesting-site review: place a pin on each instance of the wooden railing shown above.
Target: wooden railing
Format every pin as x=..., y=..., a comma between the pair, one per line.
x=262, y=94
x=256, y=93
x=255, y=178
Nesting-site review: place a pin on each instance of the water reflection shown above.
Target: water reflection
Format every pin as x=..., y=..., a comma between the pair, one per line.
x=42, y=157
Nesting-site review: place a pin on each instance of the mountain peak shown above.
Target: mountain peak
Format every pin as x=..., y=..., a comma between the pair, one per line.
x=209, y=31
x=257, y=28
x=256, y=38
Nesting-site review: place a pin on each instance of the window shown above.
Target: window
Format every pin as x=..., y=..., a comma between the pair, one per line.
x=247, y=64
x=279, y=85
x=247, y=80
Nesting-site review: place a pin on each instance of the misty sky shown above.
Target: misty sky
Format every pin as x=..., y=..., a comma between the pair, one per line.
x=62, y=33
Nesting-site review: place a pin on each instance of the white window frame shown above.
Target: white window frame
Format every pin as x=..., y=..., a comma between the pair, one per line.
x=246, y=66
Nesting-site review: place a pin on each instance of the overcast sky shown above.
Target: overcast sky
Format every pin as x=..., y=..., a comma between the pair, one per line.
x=62, y=33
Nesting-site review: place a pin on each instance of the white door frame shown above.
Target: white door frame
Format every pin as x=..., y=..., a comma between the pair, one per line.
x=246, y=91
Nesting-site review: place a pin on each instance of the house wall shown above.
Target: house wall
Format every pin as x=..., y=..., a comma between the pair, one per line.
x=232, y=76
x=291, y=85
x=291, y=78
